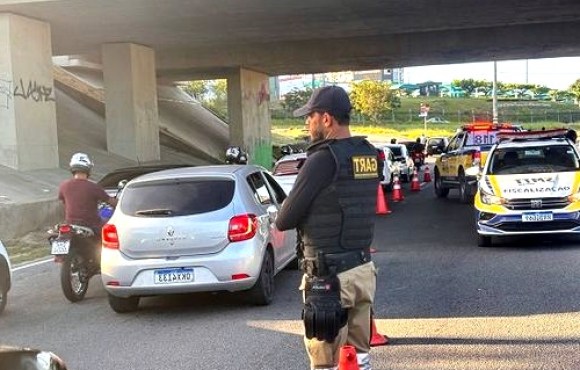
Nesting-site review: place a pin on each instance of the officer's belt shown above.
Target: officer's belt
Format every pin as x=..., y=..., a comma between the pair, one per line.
x=338, y=262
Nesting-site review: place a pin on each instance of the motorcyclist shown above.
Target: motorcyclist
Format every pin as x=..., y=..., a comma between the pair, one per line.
x=235, y=155
x=81, y=196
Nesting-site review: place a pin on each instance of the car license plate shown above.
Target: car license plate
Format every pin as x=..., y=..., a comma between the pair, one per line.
x=173, y=276
x=537, y=217
x=60, y=246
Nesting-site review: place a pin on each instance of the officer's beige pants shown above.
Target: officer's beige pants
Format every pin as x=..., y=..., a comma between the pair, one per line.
x=357, y=292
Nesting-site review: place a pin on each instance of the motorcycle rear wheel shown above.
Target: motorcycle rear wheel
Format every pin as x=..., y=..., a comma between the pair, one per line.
x=74, y=277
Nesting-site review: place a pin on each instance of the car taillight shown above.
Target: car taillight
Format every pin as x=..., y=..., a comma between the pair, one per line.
x=64, y=229
x=381, y=155
x=110, y=236
x=242, y=227
x=476, y=158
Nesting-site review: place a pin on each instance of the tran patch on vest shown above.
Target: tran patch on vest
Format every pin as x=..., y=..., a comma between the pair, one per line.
x=365, y=167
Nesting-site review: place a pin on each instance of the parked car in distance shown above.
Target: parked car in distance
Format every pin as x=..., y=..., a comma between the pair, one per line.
x=436, y=145
x=286, y=170
x=437, y=120
x=5, y=277
x=196, y=229
x=403, y=161
x=390, y=166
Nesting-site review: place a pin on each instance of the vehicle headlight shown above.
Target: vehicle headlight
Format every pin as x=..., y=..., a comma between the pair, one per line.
x=491, y=199
x=574, y=197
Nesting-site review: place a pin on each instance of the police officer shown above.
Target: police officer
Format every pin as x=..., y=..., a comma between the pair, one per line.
x=332, y=207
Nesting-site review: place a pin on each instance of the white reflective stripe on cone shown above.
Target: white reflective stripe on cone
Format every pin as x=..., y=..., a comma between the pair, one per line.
x=364, y=361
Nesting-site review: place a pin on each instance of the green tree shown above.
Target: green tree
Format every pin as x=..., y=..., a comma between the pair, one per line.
x=296, y=98
x=212, y=94
x=197, y=89
x=575, y=90
x=373, y=98
x=218, y=101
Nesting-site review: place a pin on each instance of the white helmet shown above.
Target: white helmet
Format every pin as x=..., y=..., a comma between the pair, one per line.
x=80, y=162
x=235, y=155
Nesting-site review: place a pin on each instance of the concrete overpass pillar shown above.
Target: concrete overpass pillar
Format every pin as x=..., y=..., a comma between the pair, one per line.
x=28, y=134
x=249, y=115
x=131, y=101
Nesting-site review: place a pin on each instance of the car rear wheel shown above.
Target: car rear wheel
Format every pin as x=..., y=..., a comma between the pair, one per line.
x=123, y=305
x=483, y=241
x=440, y=190
x=262, y=293
x=464, y=189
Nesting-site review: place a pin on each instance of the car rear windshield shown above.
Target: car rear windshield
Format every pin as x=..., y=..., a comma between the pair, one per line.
x=552, y=158
x=397, y=151
x=177, y=197
x=290, y=167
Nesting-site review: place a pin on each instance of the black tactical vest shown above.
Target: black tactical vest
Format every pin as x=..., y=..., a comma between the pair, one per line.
x=341, y=217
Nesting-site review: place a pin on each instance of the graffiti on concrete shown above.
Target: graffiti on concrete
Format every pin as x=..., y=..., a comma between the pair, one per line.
x=5, y=93
x=35, y=91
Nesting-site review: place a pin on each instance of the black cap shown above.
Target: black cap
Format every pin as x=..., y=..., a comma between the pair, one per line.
x=331, y=99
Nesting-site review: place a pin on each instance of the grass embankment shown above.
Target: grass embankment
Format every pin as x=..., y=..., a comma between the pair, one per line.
x=31, y=247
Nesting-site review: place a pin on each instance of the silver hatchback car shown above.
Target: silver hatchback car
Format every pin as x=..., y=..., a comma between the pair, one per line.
x=195, y=229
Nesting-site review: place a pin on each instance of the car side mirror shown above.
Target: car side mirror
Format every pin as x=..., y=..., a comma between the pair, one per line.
x=29, y=359
x=121, y=184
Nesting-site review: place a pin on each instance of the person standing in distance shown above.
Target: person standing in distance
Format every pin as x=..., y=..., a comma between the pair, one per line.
x=332, y=206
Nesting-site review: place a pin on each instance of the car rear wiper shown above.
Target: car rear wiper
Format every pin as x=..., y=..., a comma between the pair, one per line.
x=154, y=212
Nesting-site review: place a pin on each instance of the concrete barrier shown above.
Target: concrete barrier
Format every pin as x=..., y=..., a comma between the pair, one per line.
x=36, y=215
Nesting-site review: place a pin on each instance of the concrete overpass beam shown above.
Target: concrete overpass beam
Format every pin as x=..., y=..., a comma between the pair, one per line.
x=249, y=115
x=131, y=101
x=28, y=132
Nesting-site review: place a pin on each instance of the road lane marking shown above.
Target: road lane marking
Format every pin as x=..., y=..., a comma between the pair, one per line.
x=33, y=264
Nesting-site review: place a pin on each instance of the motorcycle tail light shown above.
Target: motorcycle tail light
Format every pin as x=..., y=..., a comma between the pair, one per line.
x=64, y=229
x=110, y=237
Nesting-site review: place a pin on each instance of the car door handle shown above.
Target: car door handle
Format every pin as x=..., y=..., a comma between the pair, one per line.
x=272, y=211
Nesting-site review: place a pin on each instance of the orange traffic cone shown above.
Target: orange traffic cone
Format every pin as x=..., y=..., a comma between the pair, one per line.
x=397, y=194
x=347, y=358
x=415, y=186
x=376, y=338
x=382, y=207
x=427, y=175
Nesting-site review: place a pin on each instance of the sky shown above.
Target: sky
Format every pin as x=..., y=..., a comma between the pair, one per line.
x=555, y=73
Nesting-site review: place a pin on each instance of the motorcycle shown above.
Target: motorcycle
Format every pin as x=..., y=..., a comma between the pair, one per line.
x=418, y=158
x=76, y=249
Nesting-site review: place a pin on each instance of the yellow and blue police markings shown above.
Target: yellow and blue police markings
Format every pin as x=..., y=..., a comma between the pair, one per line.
x=528, y=203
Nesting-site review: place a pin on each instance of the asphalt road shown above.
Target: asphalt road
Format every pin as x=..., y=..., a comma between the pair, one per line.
x=444, y=303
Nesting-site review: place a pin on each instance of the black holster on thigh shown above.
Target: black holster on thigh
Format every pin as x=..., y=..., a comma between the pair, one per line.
x=323, y=314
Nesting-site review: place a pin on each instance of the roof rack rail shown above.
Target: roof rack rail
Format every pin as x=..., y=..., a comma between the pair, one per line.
x=559, y=133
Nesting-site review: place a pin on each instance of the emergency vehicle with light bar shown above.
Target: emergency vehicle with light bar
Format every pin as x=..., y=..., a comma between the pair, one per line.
x=530, y=184
x=468, y=148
